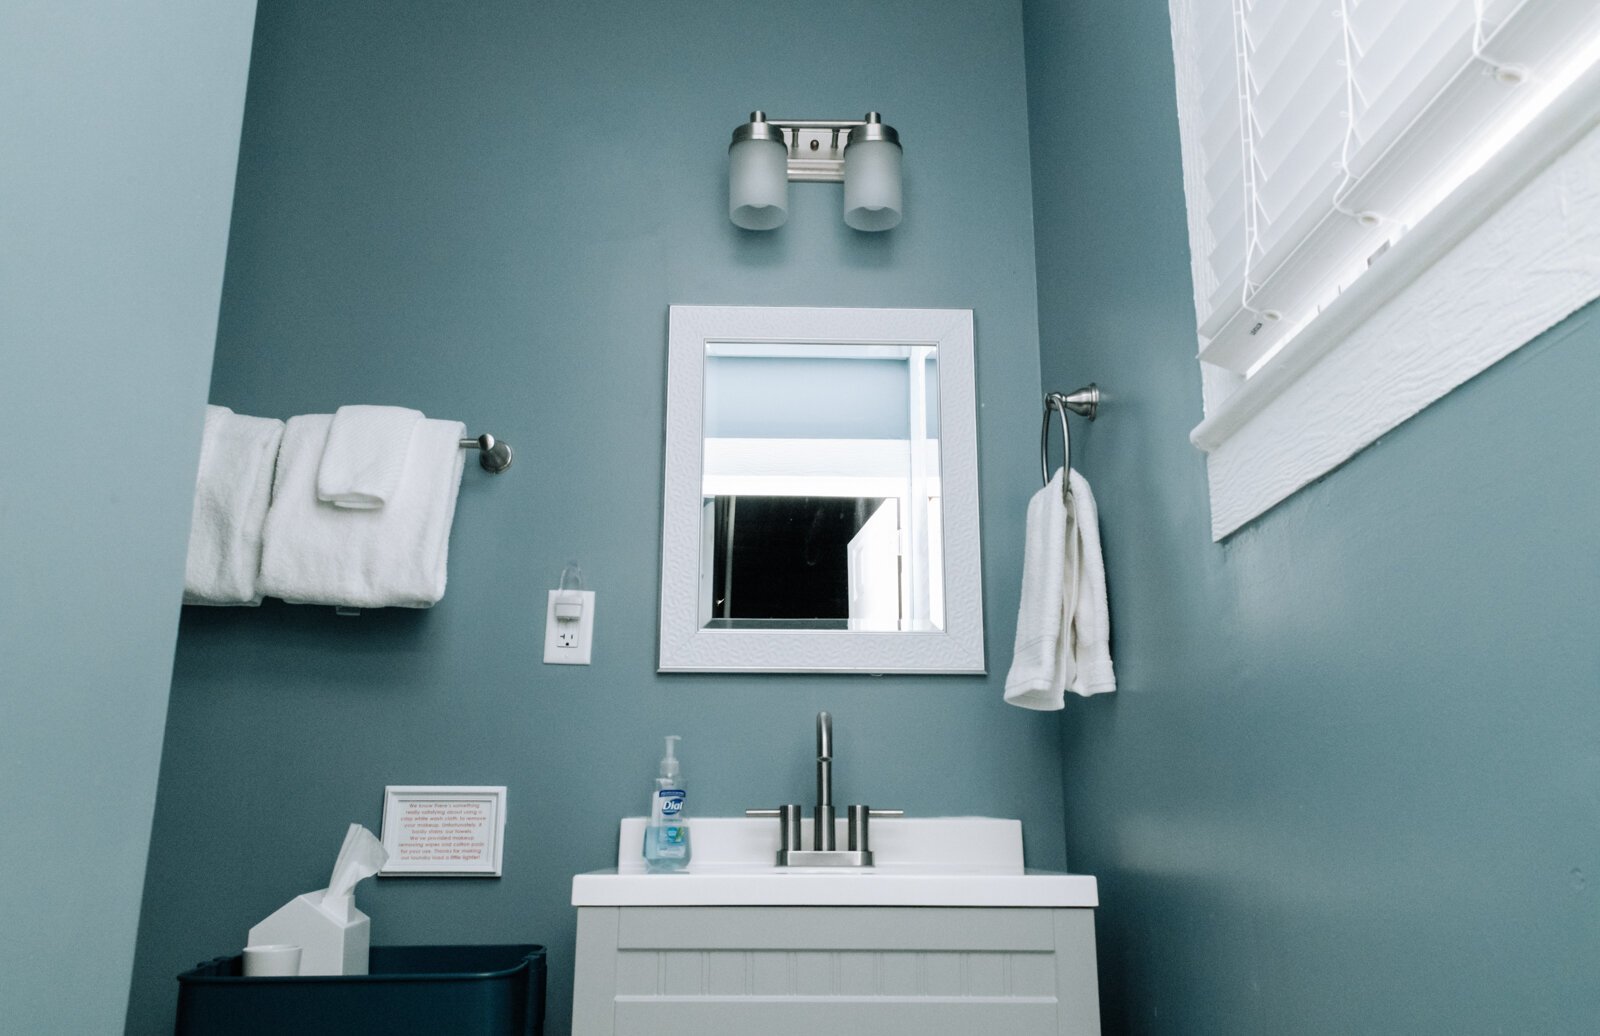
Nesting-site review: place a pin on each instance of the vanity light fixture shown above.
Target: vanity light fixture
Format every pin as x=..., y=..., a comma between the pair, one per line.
x=864, y=154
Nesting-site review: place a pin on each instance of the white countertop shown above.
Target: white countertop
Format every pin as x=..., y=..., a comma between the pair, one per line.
x=921, y=861
x=877, y=886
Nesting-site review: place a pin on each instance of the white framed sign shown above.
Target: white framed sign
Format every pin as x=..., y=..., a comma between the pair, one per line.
x=443, y=831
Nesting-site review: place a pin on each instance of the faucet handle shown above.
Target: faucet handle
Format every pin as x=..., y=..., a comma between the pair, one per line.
x=788, y=816
x=858, y=816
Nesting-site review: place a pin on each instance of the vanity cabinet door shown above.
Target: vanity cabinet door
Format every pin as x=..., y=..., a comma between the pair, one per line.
x=731, y=971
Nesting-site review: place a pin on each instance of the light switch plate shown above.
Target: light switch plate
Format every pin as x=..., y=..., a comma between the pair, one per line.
x=569, y=641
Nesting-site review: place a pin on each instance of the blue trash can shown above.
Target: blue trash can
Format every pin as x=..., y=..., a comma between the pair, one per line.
x=464, y=990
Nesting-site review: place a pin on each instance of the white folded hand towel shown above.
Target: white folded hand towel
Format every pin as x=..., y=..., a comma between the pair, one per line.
x=316, y=553
x=1063, y=623
x=1032, y=682
x=1091, y=615
x=231, y=493
x=365, y=457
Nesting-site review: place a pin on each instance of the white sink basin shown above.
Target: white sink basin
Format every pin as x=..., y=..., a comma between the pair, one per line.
x=920, y=861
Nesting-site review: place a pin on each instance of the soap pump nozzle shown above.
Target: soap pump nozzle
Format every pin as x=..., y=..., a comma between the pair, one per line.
x=669, y=762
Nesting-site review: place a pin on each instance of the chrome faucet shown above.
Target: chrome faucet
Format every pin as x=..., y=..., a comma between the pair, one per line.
x=822, y=815
x=824, y=851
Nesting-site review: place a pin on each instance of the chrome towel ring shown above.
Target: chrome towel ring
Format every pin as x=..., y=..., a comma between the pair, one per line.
x=1085, y=402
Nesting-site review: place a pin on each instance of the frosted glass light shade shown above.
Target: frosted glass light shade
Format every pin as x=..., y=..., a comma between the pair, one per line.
x=872, y=184
x=758, y=184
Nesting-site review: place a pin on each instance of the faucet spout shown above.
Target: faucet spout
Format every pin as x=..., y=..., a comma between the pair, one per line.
x=822, y=838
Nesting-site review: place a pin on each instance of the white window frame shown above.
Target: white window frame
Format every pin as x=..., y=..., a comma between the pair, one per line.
x=1511, y=253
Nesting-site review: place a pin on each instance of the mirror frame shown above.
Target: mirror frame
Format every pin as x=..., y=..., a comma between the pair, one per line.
x=687, y=648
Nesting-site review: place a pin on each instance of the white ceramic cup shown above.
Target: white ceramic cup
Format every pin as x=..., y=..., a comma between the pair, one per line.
x=274, y=960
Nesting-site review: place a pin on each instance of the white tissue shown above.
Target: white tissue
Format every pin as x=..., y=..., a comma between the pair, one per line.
x=361, y=856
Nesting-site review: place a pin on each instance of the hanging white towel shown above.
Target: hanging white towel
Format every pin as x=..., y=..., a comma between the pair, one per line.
x=316, y=553
x=1032, y=682
x=366, y=455
x=1090, y=628
x=1063, y=624
x=231, y=493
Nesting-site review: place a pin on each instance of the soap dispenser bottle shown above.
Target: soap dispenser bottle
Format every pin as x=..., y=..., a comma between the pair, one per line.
x=666, y=837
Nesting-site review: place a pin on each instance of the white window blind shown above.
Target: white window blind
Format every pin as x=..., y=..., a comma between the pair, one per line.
x=1385, y=197
x=1316, y=132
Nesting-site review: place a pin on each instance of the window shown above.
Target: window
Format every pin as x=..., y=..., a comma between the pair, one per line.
x=1385, y=197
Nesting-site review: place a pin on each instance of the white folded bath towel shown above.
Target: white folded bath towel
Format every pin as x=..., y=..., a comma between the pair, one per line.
x=1063, y=624
x=231, y=492
x=316, y=553
x=366, y=455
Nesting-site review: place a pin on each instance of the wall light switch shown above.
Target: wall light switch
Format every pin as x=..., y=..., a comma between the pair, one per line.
x=569, y=627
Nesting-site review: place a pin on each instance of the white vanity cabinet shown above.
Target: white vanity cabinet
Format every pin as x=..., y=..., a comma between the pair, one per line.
x=865, y=971
x=737, y=946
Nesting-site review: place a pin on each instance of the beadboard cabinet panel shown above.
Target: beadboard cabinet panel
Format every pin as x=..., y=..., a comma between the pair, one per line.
x=844, y=970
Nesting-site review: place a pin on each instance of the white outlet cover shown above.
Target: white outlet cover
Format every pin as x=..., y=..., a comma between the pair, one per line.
x=569, y=641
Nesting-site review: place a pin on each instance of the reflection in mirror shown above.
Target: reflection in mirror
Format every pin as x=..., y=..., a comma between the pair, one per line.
x=820, y=492
x=820, y=488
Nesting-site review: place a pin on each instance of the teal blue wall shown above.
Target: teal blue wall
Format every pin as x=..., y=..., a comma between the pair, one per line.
x=1350, y=781
x=484, y=210
x=119, y=132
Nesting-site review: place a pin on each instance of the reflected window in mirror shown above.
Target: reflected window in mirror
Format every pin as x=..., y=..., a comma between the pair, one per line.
x=820, y=488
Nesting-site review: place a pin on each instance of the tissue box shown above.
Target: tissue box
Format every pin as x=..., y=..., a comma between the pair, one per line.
x=328, y=945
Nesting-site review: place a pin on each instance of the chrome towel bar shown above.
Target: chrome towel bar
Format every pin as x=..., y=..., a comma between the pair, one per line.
x=494, y=456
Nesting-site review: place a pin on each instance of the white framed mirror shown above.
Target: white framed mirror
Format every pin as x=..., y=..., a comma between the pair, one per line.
x=821, y=499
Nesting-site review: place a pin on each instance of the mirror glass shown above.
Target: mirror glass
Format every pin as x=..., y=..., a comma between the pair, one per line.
x=820, y=487
x=820, y=502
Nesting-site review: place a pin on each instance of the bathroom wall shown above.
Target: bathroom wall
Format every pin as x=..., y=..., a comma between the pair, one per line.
x=483, y=210
x=119, y=131
x=1349, y=780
